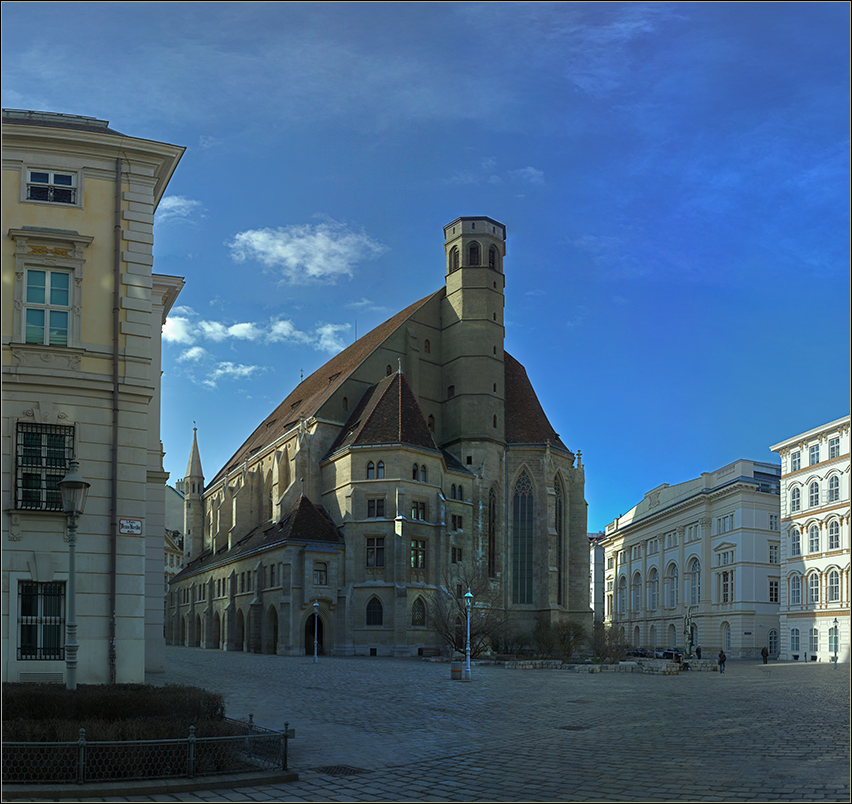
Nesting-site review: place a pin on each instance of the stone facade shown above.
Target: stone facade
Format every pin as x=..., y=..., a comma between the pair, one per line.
x=418, y=454
x=81, y=320
x=708, y=548
x=815, y=544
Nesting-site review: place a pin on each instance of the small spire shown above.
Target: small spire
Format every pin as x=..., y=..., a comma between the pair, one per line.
x=399, y=361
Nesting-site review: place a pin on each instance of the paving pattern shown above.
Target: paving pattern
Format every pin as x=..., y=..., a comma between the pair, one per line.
x=380, y=729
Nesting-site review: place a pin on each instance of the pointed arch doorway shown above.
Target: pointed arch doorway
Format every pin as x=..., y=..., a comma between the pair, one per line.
x=309, y=635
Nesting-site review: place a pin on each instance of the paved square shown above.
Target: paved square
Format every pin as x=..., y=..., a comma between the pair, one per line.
x=757, y=733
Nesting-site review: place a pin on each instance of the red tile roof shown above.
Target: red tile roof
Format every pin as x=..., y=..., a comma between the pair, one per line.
x=526, y=422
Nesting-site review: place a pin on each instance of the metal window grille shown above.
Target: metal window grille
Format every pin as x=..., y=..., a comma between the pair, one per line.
x=42, y=454
x=41, y=620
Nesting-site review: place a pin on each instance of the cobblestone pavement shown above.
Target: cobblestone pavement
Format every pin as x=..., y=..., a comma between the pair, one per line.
x=757, y=733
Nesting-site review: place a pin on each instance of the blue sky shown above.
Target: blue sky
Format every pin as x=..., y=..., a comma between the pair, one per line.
x=674, y=179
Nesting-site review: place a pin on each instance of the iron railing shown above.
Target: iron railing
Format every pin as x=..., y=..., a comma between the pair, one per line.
x=252, y=748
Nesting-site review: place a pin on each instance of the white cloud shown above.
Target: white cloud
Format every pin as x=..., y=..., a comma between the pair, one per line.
x=178, y=208
x=528, y=174
x=231, y=371
x=328, y=337
x=301, y=253
x=177, y=330
x=194, y=354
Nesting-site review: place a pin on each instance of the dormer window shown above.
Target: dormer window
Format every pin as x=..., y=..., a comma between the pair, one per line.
x=53, y=187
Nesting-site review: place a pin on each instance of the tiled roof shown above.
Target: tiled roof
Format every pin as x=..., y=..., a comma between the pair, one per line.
x=388, y=413
x=304, y=523
x=526, y=422
x=309, y=395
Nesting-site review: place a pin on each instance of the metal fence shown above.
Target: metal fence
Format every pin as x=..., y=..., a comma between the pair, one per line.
x=251, y=748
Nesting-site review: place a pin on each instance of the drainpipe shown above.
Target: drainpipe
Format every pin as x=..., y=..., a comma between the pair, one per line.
x=113, y=498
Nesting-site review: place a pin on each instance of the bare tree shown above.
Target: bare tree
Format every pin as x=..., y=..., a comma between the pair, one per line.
x=447, y=612
x=606, y=643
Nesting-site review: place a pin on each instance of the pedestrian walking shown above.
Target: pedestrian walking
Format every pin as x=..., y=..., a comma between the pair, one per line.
x=722, y=660
x=765, y=654
x=698, y=652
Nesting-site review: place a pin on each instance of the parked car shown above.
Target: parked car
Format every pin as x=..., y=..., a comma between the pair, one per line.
x=670, y=655
x=639, y=652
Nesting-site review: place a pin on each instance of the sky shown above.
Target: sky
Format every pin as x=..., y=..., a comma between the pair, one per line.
x=674, y=179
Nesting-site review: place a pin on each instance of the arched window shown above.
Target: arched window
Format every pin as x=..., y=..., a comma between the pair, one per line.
x=653, y=589
x=523, y=515
x=494, y=420
x=375, y=612
x=833, y=488
x=813, y=495
x=492, y=258
x=796, y=499
x=461, y=493
x=637, y=591
x=794, y=640
x=454, y=259
x=833, y=535
x=622, y=595
x=492, y=533
x=371, y=471
x=796, y=590
x=833, y=639
x=473, y=254
x=423, y=473
x=795, y=543
x=388, y=370
x=380, y=470
x=560, y=546
x=813, y=588
x=453, y=491
x=813, y=539
x=345, y=404
x=414, y=470
x=430, y=423
x=695, y=583
x=773, y=642
x=427, y=347
x=418, y=612
x=833, y=586
x=451, y=391
x=672, y=591
x=814, y=640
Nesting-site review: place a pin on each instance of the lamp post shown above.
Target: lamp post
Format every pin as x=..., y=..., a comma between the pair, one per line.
x=836, y=641
x=468, y=600
x=316, y=622
x=74, y=490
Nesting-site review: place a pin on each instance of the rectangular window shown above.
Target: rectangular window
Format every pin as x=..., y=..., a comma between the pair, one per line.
x=376, y=508
x=456, y=555
x=41, y=461
x=774, y=554
x=814, y=640
x=725, y=587
x=320, y=574
x=773, y=591
x=41, y=619
x=51, y=186
x=795, y=461
x=724, y=524
x=47, y=307
x=418, y=510
x=813, y=454
x=636, y=552
x=773, y=522
x=418, y=554
x=833, y=448
x=375, y=551
x=610, y=562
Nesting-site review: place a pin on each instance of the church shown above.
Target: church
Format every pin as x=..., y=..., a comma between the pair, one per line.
x=418, y=455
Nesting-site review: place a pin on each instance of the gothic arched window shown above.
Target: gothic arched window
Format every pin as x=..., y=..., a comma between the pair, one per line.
x=492, y=258
x=375, y=612
x=380, y=470
x=523, y=527
x=454, y=259
x=492, y=534
x=560, y=546
x=371, y=471
x=418, y=612
x=473, y=254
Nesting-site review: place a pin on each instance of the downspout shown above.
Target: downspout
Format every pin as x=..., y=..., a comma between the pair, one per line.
x=113, y=500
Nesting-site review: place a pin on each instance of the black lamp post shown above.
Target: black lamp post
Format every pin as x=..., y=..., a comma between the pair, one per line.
x=74, y=491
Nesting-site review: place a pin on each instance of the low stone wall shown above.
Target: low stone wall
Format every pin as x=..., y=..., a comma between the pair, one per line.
x=658, y=668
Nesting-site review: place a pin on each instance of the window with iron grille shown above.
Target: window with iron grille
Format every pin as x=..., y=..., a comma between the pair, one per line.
x=42, y=454
x=41, y=618
x=51, y=186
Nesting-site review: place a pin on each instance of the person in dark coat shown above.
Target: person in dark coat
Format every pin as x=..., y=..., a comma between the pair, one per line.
x=722, y=660
x=698, y=652
x=765, y=654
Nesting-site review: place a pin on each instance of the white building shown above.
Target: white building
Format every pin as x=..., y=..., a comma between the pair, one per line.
x=709, y=547
x=596, y=575
x=82, y=317
x=815, y=543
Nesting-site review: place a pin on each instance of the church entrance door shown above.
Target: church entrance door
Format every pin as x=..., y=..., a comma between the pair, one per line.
x=309, y=635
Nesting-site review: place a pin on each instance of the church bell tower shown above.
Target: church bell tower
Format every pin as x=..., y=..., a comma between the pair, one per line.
x=193, y=504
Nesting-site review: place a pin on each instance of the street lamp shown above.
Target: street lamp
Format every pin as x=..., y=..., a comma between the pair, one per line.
x=74, y=490
x=836, y=641
x=468, y=600
x=316, y=622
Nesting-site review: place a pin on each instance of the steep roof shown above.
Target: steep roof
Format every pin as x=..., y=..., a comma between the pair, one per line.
x=388, y=413
x=193, y=465
x=526, y=422
x=303, y=524
x=306, y=399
